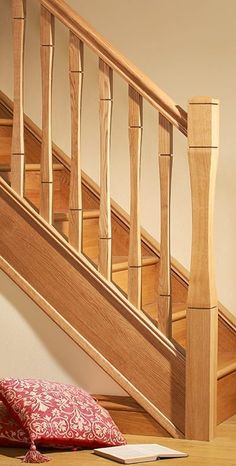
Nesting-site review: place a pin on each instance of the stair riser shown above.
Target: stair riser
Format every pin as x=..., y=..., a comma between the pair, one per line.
x=32, y=146
x=129, y=416
x=32, y=188
x=5, y=144
x=149, y=273
x=135, y=423
x=179, y=332
x=90, y=235
x=226, y=393
x=226, y=397
x=120, y=238
x=90, y=248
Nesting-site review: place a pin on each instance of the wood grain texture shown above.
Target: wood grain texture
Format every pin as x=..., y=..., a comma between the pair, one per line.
x=135, y=143
x=47, y=28
x=201, y=374
x=76, y=54
x=226, y=397
x=105, y=115
x=141, y=83
x=202, y=288
x=202, y=314
x=96, y=300
x=203, y=158
x=76, y=83
x=165, y=136
x=47, y=53
x=18, y=173
x=18, y=150
x=151, y=245
x=46, y=201
x=129, y=416
x=228, y=388
x=6, y=122
x=165, y=171
x=18, y=9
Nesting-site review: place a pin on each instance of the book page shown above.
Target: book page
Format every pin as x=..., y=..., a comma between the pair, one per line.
x=126, y=452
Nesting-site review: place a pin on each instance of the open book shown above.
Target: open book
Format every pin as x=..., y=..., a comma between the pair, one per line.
x=138, y=453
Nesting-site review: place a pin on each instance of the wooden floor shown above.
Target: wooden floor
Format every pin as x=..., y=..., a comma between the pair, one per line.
x=219, y=452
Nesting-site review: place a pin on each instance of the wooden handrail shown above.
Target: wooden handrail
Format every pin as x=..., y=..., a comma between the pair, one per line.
x=138, y=80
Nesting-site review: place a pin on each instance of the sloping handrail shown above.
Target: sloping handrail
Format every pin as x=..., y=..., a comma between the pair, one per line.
x=138, y=80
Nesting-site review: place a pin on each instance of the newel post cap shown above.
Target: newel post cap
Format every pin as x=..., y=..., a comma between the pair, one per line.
x=203, y=122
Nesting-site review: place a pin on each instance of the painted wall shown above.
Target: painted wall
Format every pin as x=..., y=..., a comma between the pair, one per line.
x=188, y=49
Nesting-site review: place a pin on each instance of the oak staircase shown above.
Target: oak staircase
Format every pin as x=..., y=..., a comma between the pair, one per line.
x=155, y=328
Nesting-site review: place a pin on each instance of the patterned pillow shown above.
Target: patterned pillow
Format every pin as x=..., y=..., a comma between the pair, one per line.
x=54, y=413
x=11, y=433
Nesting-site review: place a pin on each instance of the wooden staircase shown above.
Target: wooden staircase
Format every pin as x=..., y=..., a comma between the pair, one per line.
x=88, y=287
x=120, y=229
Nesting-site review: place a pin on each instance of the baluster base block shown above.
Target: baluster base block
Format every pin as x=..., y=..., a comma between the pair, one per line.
x=201, y=373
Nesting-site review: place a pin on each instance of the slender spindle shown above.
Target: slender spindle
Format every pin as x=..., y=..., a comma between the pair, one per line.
x=106, y=94
x=47, y=53
x=135, y=142
x=76, y=83
x=18, y=151
x=165, y=166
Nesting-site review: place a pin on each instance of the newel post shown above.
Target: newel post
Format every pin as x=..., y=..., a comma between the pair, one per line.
x=202, y=312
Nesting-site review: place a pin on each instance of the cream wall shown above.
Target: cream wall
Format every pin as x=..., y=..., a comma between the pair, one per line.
x=188, y=49
x=32, y=345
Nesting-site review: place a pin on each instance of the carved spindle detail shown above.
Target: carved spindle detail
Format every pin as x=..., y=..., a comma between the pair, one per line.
x=165, y=166
x=135, y=142
x=18, y=150
x=47, y=53
x=76, y=84
x=106, y=94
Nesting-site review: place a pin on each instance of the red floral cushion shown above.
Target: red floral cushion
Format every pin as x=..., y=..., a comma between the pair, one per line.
x=11, y=433
x=54, y=413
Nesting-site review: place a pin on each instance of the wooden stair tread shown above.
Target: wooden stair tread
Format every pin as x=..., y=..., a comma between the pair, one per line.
x=64, y=216
x=6, y=122
x=31, y=167
x=178, y=310
x=121, y=262
x=226, y=357
x=226, y=365
x=124, y=403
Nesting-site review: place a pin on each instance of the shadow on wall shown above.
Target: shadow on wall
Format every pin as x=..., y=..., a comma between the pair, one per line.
x=40, y=349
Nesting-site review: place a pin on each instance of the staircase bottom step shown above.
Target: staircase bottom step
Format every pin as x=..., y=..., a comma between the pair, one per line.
x=129, y=416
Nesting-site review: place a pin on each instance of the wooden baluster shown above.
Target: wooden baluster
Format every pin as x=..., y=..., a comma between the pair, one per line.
x=165, y=166
x=106, y=94
x=76, y=83
x=18, y=151
x=47, y=53
x=135, y=142
x=202, y=315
